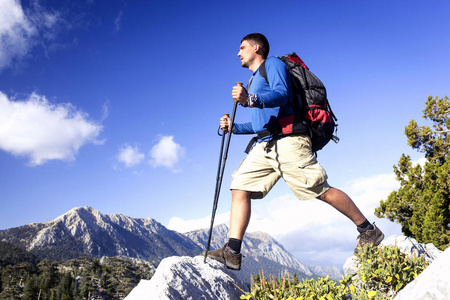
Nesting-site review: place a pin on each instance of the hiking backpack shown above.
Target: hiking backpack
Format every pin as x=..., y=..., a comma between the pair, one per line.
x=310, y=104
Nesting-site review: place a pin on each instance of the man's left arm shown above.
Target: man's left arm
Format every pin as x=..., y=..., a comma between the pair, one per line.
x=279, y=82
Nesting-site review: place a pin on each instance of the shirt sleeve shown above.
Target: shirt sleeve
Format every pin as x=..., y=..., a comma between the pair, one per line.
x=245, y=128
x=279, y=81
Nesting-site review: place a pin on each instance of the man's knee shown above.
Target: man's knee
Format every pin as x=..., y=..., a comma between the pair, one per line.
x=247, y=195
x=326, y=195
x=240, y=194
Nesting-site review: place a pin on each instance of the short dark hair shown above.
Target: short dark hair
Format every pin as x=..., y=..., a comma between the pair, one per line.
x=261, y=40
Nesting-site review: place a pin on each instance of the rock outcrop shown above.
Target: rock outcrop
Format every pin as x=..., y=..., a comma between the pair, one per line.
x=407, y=245
x=260, y=252
x=432, y=284
x=412, y=247
x=188, y=278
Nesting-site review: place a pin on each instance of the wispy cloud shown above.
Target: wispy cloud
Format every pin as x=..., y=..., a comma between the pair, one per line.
x=20, y=32
x=313, y=231
x=130, y=156
x=118, y=21
x=42, y=131
x=166, y=153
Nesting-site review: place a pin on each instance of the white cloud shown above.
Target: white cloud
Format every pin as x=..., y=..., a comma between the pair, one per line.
x=421, y=161
x=367, y=192
x=42, y=131
x=166, y=153
x=130, y=156
x=15, y=32
x=20, y=32
x=312, y=230
x=118, y=21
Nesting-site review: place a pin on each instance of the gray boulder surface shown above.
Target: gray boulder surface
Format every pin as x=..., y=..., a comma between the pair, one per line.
x=432, y=284
x=407, y=245
x=188, y=278
x=412, y=247
x=260, y=252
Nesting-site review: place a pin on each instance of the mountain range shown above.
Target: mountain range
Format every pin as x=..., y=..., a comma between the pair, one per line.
x=84, y=231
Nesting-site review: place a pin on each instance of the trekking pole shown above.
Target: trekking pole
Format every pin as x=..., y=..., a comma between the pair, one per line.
x=220, y=170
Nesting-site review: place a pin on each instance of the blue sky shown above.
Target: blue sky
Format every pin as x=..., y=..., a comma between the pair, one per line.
x=115, y=105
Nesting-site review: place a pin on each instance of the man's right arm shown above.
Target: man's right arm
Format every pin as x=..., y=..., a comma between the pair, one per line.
x=245, y=128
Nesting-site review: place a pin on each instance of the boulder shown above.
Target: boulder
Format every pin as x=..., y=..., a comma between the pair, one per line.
x=412, y=247
x=183, y=278
x=350, y=266
x=407, y=245
x=432, y=284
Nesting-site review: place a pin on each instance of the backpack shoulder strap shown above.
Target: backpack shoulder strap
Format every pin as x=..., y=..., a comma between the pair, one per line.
x=262, y=71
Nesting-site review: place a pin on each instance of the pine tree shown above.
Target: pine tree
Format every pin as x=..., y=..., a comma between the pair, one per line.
x=48, y=278
x=31, y=289
x=10, y=288
x=66, y=287
x=422, y=203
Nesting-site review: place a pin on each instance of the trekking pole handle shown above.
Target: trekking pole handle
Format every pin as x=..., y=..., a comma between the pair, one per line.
x=238, y=84
x=226, y=116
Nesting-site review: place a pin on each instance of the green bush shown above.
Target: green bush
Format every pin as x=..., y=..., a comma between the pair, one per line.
x=387, y=269
x=382, y=272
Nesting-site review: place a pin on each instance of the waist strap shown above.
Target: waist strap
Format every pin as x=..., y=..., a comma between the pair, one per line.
x=254, y=139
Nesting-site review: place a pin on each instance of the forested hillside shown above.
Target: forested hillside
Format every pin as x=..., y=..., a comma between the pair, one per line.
x=23, y=276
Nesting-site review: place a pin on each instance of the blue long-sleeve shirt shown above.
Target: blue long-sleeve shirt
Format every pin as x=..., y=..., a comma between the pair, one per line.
x=273, y=98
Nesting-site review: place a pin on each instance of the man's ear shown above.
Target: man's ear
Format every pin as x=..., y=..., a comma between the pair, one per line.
x=257, y=48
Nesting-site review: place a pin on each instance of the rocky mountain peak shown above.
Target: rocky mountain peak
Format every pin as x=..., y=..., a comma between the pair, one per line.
x=84, y=231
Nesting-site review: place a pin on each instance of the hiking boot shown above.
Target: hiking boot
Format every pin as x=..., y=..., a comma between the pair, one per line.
x=370, y=237
x=227, y=257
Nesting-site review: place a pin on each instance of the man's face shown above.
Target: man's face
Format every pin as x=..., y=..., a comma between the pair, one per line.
x=247, y=54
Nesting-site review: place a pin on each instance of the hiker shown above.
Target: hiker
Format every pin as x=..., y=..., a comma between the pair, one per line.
x=289, y=157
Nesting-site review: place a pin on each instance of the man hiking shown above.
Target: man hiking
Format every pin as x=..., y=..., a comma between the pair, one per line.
x=273, y=157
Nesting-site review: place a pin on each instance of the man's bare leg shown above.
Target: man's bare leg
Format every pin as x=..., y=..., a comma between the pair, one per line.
x=369, y=233
x=240, y=213
x=230, y=254
x=343, y=203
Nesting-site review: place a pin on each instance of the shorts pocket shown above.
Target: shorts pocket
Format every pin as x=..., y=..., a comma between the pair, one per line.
x=314, y=174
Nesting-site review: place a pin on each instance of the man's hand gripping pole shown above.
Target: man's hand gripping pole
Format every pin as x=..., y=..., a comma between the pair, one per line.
x=220, y=169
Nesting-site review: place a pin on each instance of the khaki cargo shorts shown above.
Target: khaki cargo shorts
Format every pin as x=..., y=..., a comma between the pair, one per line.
x=289, y=158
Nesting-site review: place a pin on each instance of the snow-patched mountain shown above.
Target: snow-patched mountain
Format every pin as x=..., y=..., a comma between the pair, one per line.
x=260, y=251
x=84, y=231
x=332, y=272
